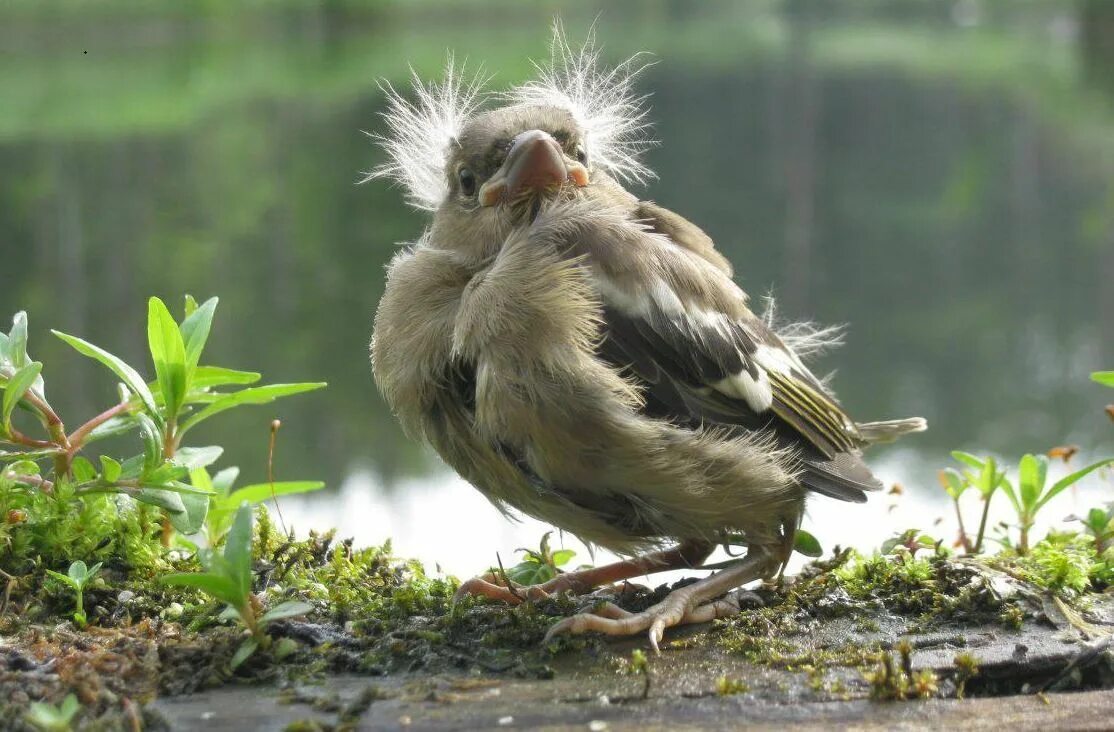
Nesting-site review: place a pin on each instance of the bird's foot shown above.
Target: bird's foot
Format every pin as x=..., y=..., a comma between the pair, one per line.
x=695, y=603
x=496, y=587
x=679, y=608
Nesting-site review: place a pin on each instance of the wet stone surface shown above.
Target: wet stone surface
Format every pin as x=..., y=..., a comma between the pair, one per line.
x=697, y=682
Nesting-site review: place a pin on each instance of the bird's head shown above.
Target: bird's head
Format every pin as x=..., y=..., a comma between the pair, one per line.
x=486, y=163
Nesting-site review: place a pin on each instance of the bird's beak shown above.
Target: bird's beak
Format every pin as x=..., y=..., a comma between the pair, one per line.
x=535, y=164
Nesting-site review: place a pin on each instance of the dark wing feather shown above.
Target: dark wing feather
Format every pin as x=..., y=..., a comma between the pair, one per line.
x=679, y=359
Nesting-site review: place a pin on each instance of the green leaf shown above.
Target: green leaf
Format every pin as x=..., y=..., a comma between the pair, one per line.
x=209, y=376
x=237, y=550
x=168, y=501
x=1032, y=474
x=50, y=718
x=531, y=573
x=1096, y=520
x=17, y=341
x=244, y=652
x=177, y=486
x=260, y=492
x=118, y=425
x=83, y=470
x=199, y=478
x=561, y=557
x=192, y=518
x=989, y=479
x=195, y=331
x=5, y=346
x=23, y=467
x=168, y=352
x=224, y=480
x=110, y=469
x=953, y=482
x=63, y=578
x=77, y=572
x=163, y=474
x=152, y=443
x=1075, y=477
x=197, y=457
x=253, y=395
x=1105, y=378
x=126, y=373
x=17, y=386
x=968, y=459
x=220, y=587
x=229, y=614
x=1011, y=494
x=288, y=609
x=807, y=544
x=189, y=306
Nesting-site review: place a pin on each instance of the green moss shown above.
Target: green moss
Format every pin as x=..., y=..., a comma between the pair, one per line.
x=52, y=529
x=903, y=582
x=1062, y=563
x=728, y=687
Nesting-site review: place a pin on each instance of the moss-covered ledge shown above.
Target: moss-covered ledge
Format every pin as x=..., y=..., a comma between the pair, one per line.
x=851, y=639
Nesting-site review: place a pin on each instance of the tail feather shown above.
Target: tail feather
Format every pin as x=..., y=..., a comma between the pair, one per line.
x=890, y=430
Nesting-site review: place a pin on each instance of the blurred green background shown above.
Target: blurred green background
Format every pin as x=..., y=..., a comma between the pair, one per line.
x=939, y=175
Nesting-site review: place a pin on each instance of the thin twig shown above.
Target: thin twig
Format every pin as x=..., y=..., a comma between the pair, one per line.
x=77, y=439
x=35, y=481
x=982, y=525
x=43, y=408
x=963, y=538
x=18, y=438
x=7, y=591
x=507, y=580
x=275, y=424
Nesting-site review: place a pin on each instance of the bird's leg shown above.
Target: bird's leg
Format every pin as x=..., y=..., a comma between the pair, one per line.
x=683, y=556
x=695, y=603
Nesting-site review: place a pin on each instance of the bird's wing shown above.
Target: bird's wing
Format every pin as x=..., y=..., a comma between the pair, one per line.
x=681, y=232
x=700, y=364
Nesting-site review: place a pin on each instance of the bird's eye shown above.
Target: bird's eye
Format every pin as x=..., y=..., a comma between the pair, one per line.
x=581, y=155
x=467, y=181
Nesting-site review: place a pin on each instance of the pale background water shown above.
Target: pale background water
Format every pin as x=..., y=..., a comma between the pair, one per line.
x=938, y=175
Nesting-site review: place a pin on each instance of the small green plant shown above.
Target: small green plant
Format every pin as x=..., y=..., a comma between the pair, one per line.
x=1099, y=523
x=887, y=682
x=640, y=666
x=184, y=394
x=726, y=686
x=955, y=486
x=984, y=476
x=1105, y=378
x=912, y=541
x=966, y=668
x=925, y=683
x=1032, y=495
x=1029, y=496
x=227, y=578
x=76, y=577
x=224, y=500
x=539, y=566
x=50, y=718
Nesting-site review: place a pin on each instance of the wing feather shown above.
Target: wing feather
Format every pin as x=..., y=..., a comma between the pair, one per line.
x=699, y=366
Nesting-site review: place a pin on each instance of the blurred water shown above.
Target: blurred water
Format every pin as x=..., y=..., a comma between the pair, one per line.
x=940, y=177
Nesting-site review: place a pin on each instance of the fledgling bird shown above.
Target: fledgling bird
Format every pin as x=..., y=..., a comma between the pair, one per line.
x=584, y=357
